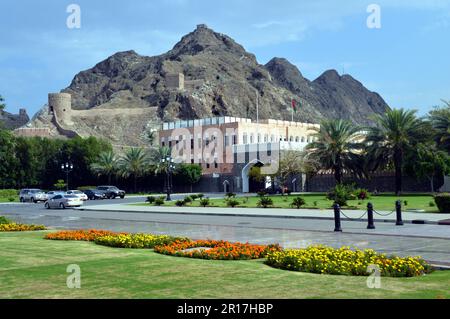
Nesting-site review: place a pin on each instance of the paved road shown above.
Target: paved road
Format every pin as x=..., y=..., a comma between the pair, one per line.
x=430, y=241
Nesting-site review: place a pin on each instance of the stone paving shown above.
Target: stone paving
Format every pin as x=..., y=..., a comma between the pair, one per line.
x=408, y=217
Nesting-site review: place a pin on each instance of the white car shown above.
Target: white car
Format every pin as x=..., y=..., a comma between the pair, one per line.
x=79, y=194
x=63, y=201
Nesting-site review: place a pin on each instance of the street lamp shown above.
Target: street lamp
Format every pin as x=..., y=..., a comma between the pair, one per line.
x=67, y=168
x=170, y=167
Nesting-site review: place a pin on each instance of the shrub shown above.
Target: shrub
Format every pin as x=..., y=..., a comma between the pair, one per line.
x=443, y=202
x=83, y=188
x=230, y=195
x=194, y=197
x=4, y=220
x=150, y=199
x=265, y=202
x=431, y=204
x=200, y=196
x=204, y=202
x=11, y=199
x=344, y=261
x=82, y=234
x=5, y=193
x=187, y=200
x=298, y=202
x=180, y=203
x=10, y=227
x=136, y=240
x=361, y=194
x=340, y=194
x=315, y=203
x=159, y=201
x=405, y=202
x=213, y=249
x=232, y=202
x=261, y=193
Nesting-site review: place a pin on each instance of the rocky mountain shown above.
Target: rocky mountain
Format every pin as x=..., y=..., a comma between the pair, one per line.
x=221, y=79
x=12, y=121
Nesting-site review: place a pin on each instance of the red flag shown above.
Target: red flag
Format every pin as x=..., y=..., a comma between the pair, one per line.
x=294, y=106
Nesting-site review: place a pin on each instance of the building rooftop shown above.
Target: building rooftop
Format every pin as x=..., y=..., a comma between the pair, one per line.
x=229, y=119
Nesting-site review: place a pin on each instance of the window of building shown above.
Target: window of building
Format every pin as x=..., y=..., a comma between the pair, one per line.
x=227, y=142
x=216, y=165
x=251, y=138
x=303, y=139
x=234, y=139
x=244, y=138
x=297, y=139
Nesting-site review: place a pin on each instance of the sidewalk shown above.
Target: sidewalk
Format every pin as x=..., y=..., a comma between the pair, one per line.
x=408, y=217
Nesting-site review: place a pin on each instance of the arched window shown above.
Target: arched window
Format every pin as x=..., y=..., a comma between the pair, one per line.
x=303, y=139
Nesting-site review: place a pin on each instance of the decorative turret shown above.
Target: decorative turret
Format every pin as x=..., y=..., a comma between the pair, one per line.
x=60, y=106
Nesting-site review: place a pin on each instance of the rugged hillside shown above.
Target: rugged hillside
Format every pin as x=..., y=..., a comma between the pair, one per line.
x=13, y=121
x=222, y=79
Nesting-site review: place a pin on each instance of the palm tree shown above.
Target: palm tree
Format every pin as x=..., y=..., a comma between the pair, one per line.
x=134, y=163
x=156, y=157
x=106, y=164
x=336, y=146
x=440, y=120
x=396, y=132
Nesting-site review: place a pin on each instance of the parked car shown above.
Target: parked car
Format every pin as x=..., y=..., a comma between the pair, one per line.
x=94, y=194
x=112, y=191
x=63, y=201
x=32, y=195
x=78, y=193
x=54, y=193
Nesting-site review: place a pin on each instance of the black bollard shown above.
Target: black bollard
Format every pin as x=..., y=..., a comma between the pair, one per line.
x=370, y=224
x=337, y=218
x=398, y=208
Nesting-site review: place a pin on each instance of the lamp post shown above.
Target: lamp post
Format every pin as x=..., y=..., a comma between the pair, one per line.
x=169, y=170
x=67, y=168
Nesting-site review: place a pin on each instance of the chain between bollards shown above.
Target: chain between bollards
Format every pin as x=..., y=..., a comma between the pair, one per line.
x=370, y=224
x=398, y=208
x=337, y=218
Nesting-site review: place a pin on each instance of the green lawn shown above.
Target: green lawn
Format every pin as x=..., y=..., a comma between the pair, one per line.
x=31, y=267
x=319, y=201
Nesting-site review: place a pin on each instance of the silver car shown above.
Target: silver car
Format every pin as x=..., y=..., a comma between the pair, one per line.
x=32, y=195
x=63, y=201
x=78, y=193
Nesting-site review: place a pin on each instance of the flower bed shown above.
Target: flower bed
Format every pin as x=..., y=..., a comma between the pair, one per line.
x=216, y=250
x=136, y=240
x=83, y=234
x=10, y=227
x=344, y=261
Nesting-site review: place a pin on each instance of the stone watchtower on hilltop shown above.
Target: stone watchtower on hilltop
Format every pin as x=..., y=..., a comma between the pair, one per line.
x=60, y=107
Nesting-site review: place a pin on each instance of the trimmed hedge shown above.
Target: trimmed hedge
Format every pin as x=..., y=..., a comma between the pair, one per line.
x=443, y=202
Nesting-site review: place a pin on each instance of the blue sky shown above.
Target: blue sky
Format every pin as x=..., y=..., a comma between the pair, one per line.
x=406, y=61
